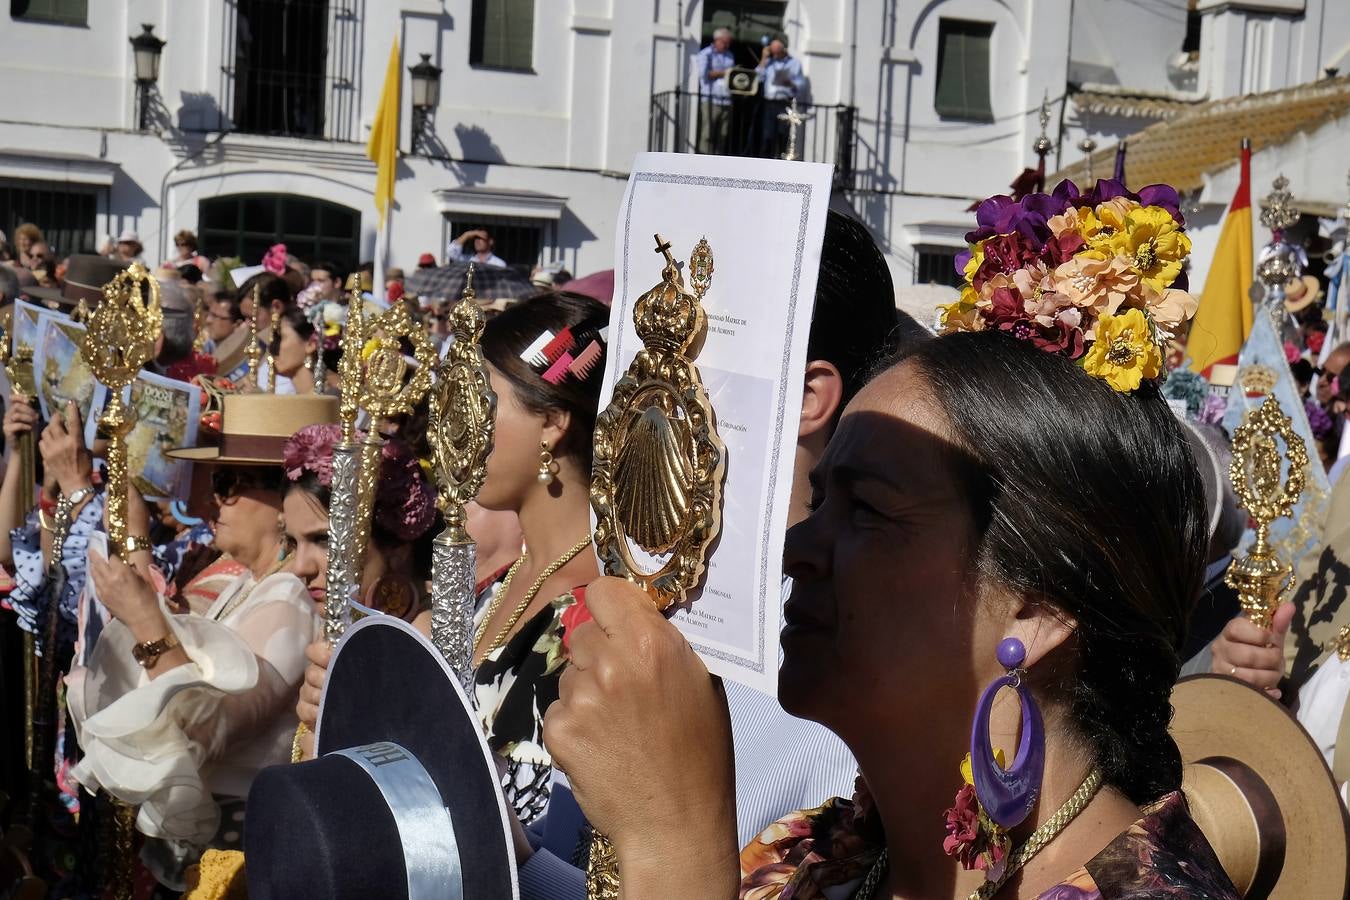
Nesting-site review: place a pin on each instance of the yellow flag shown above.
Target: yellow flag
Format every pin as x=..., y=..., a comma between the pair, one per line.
x=382, y=148
x=1224, y=319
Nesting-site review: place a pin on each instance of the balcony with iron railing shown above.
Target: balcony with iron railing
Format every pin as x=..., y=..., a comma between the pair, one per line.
x=686, y=122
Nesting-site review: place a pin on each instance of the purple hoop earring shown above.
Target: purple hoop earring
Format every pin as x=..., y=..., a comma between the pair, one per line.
x=1008, y=795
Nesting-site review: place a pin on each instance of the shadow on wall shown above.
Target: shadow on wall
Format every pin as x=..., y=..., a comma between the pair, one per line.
x=200, y=112
x=572, y=234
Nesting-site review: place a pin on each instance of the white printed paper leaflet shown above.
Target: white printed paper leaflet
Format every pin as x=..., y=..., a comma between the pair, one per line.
x=765, y=220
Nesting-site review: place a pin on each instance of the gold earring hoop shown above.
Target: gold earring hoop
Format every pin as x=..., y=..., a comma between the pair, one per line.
x=545, y=464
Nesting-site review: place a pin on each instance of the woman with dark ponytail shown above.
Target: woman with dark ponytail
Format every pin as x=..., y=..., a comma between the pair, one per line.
x=1007, y=538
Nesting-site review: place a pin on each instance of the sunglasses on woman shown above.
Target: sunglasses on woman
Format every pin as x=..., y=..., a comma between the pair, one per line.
x=228, y=483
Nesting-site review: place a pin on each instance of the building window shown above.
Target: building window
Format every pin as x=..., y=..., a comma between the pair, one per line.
x=502, y=34
x=937, y=265
x=66, y=213
x=62, y=12
x=963, y=70
x=245, y=225
x=280, y=67
x=749, y=21
x=520, y=241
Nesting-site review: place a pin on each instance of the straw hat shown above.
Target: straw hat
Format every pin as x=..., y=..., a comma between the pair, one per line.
x=1300, y=293
x=254, y=427
x=1260, y=790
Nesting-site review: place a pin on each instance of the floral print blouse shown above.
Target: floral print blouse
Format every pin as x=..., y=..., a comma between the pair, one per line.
x=826, y=852
x=513, y=688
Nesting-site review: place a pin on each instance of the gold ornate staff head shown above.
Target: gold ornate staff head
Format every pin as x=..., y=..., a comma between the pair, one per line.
x=387, y=389
x=1267, y=493
x=463, y=413
x=119, y=339
x=659, y=463
x=350, y=368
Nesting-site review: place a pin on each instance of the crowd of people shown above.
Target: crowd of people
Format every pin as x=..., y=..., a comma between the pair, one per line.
x=1004, y=500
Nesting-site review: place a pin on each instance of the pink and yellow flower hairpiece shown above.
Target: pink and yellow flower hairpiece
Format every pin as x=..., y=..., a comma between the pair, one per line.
x=1097, y=277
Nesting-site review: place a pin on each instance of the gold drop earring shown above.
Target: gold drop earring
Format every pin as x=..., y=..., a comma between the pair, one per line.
x=545, y=464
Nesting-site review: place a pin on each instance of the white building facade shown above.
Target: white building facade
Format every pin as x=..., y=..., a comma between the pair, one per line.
x=258, y=120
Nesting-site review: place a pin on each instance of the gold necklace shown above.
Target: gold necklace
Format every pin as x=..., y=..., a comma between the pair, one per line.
x=1019, y=857
x=232, y=605
x=525, y=601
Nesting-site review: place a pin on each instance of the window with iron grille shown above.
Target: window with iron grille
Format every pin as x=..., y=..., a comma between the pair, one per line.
x=520, y=241
x=245, y=225
x=61, y=12
x=501, y=35
x=66, y=213
x=280, y=66
x=963, y=70
x=936, y=265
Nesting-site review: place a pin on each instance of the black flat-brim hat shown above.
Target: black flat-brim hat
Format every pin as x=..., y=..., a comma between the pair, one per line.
x=86, y=274
x=403, y=799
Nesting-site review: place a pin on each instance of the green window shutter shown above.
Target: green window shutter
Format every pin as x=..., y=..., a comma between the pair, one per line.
x=65, y=12
x=502, y=34
x=963, y=69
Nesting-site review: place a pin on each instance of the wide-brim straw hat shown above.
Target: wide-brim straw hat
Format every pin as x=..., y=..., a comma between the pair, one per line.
x=254, y=428
x=1300, y=293
x=1261, y=791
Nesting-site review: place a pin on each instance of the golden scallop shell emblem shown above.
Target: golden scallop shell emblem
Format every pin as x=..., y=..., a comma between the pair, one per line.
x=659, y=462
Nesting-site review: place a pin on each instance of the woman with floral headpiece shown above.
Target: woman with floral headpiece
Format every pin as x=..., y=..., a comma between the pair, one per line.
x=1006, y=541
x=398, y=559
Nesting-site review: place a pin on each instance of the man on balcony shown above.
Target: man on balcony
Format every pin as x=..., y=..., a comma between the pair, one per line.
x=783, y=82
x=714, y=61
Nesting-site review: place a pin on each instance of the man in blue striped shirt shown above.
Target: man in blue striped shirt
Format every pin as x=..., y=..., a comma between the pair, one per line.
x=714, y=61
x=783, y=764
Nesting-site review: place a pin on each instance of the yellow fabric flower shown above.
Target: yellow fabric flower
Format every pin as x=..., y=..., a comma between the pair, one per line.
x=976, y=260
x=961, y=315
x=1154, y=244
x=968, y=774
x=219, y=876
x=1124, y=353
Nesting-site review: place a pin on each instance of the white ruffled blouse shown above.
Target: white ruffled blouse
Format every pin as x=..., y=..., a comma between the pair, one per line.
x=202, y=729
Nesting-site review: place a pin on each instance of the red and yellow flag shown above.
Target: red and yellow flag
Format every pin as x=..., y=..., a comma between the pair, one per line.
x=382, y=147
x=1224, y=319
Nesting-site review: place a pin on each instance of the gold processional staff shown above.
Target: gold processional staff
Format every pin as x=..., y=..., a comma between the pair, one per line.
x=375, y=379
x=119, y=339
x=659, y=467
x=463, y=416
x=1261, y=577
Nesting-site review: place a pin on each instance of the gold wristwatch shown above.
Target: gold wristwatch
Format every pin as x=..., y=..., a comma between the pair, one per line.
x=148, y=653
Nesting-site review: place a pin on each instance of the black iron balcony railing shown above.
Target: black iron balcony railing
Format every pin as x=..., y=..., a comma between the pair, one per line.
x=686, y=122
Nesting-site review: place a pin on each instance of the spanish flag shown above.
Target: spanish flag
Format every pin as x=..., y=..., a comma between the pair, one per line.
x=1224, y=319
x=382, y=148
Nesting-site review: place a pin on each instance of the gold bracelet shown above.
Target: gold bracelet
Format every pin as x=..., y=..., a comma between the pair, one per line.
x=44, y=523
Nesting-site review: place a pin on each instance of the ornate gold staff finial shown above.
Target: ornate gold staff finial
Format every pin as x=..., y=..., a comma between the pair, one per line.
x=1261, y=577
x=659, y=466
x=119, y=339
x=463, y=413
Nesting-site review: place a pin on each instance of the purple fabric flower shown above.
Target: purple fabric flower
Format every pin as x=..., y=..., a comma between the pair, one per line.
x=1318, y=419
x=311, y=450
x=405, y=503
x=1002, y=215
x=1165, y=196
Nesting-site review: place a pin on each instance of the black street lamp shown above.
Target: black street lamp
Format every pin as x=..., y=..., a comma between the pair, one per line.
x=146, y=49
x=426, y=96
